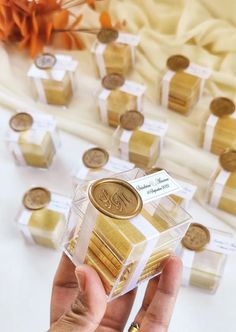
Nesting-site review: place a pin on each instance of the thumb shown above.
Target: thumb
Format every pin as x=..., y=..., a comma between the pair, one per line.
x=89, y=306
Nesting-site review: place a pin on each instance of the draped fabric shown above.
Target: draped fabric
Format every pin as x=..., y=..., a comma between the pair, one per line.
x=203, y=30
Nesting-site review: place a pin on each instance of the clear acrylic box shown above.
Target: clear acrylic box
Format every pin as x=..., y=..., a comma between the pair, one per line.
x=116, y=57
x=143, y=145
x=53, y=77
x=182, y=84
x=43, y=217
x=32, y=139
x=124, y=252
x=113, y=103
x=218, y=130
x=204, y=269
x=221, y=192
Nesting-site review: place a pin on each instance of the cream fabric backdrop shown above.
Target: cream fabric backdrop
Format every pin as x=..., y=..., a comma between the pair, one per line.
x=204, y=30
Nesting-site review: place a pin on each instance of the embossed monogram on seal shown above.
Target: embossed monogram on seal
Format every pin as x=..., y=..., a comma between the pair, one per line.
x=21, y=122
x=36, y=198
x=222, y=106
x=95, y=158
x=178, y=62
x=106, y=36
x=196, y=237
x=115, y=198
x=45, y=61
x=131, y=120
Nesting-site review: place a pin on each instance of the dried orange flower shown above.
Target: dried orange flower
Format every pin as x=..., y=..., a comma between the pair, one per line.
x=31, y=24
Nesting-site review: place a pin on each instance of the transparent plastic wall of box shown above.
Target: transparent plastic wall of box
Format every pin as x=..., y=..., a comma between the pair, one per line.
x=123, y=249
x=207, y=267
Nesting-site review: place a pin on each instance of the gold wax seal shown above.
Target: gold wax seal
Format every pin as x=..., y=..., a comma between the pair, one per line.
x=115, y=198
x=113, y=81
x=21, y=122
x=107, y=36
x=222, y=106
x=228, y=161
x=178, y=62
x=95, y=158
x=196, y=237
x=153, y=170
x=36, y=198
x=45, y=61
x=131, y=120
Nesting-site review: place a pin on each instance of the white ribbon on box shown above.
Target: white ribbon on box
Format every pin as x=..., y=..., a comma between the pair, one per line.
x=193, y=69
x=124, y=38
x=151, y=188
x=224, y=244
x=210, y=129
x=114, y=165
x=153, y=127
x=42, y=123
x=218, y=188
x=128, y=87
x=64, y=63
x=58, y=203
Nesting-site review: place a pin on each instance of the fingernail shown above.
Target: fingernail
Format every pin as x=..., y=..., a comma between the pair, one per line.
x=80, y=275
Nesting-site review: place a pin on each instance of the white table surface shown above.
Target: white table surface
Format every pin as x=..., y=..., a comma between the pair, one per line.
x=27, y=271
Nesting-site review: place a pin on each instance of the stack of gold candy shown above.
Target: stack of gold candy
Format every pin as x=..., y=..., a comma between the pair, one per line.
x=222, y=187
x=97, y=163
x=124, y=240
x=43, y=217
x=182, y=85
x=139, y=139
x=219, y=129
x=115, y=52
x=32, y=139
x=203, y=264
x=117, y=97
x=53, y=77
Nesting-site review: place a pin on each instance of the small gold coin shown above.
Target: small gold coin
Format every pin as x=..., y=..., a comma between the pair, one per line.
x=153, y=170
x=228, y=161
x=45, y=61
x=95, y=158
x=36, y=198
x=107, y=36
x=131, y=120
x=115, y=198
x=113, y=81
x=21, y=122
x=196, y=237
x=222, y=106
x=178, y=62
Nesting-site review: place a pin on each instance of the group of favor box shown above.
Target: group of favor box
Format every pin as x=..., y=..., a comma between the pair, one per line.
x=127, y=216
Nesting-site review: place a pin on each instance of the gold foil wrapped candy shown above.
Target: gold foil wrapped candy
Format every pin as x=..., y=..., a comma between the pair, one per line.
x=218, y=131
x=128, y=242
x=32, y=139
x=139, y=139
x=182, y=84
x=203, y=265
x=54, y=78
x=42, y=220
x=222, y=187
x=117, y=56
x=117, y=97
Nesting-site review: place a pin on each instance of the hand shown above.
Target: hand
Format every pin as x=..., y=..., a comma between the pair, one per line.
x=79, y=301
